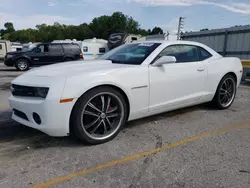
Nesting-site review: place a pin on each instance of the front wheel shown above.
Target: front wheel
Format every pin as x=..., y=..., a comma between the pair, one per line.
x=225, y=93
x=22, y=65
x=99, y=115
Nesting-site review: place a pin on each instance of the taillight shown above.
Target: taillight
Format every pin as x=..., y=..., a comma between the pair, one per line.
x=81, y=56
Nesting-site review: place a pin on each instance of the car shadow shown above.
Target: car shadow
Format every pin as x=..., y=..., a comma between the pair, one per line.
x=8, y=70
x=166, y=115
x=11, y=131
x=5, y=86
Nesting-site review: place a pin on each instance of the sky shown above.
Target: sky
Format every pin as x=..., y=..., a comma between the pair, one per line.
x=199, y=14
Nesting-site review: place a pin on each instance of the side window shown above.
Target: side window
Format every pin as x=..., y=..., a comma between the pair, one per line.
x=102, y=50
x=66, y=47
x=85, y=49
x=42, y=48
x=55, y=48
x=1, y=47
x=182, y=53
x=76, y=48
x=204, y=54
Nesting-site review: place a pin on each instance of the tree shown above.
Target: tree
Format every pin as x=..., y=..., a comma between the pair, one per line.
x=9, y=28
x=100, y=27
x=156, y=30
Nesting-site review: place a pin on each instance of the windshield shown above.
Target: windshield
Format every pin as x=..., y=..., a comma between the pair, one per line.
x=28, y=48
x=134, y=53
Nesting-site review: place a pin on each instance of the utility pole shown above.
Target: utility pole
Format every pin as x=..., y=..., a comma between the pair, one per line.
x=180, y=27
x=167, y=34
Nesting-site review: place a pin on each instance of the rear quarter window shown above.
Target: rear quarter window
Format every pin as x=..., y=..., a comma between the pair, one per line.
x=72, y=48
x=204, y=54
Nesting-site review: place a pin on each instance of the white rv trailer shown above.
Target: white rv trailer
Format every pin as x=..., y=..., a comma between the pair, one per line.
x=5, y=46
x=16, y=46
x=94, y=48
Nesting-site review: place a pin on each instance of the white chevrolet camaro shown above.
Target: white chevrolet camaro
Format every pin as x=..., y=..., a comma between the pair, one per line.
x=94, y=99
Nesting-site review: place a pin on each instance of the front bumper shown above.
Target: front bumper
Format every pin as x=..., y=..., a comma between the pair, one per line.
x=55, y=116
x=9, y=62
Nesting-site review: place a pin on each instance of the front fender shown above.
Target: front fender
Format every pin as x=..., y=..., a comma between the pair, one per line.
x=23, y=57
x=75, y=89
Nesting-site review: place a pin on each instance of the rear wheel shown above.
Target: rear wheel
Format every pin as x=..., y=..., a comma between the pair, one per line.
x=22, y=65
x=99, y=115
x=225, y=93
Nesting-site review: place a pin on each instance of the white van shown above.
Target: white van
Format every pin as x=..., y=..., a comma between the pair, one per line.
x=5, y=46
x=16, y=46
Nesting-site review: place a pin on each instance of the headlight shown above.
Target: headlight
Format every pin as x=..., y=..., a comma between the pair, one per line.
x=42, y=91
x=8, y=56
x=27, y=91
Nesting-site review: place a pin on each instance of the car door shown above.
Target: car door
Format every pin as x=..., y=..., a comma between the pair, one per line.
x=177, y=84
x=38, y=56
x=55, y=53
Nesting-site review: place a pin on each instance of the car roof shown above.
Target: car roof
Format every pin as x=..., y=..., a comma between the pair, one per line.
x=186, y=42
x=59, y=43
x=171, y=42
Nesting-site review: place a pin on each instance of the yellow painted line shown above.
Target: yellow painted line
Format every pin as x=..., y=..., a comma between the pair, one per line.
x=135, y=156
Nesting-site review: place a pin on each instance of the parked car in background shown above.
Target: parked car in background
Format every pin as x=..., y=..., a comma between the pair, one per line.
x=43, y=54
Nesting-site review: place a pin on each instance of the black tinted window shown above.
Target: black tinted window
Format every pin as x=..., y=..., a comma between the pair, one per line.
x=55, y=48
x=133, y=38
x=74, y=48
x=85, y=49
x=43, y=48
x=1, y=47
x=182, y=53
x=204, y=54
x=102, y=50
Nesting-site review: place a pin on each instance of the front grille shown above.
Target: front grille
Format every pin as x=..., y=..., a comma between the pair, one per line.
x=20, y=114
x=24, y=91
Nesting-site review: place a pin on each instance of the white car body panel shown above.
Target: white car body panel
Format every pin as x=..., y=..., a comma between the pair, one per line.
x=149, y=89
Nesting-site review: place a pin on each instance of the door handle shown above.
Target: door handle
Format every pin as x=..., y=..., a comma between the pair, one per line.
x=200, y=69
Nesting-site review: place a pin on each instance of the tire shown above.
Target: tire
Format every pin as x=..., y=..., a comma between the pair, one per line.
x=222, y=92
x=101, y=127
x=22, y=65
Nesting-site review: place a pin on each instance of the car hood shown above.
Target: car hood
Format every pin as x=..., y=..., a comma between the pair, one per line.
x=15, y=53
x=75, y=67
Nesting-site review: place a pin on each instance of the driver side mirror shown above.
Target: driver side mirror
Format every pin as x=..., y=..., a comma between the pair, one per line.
x=164, y=60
